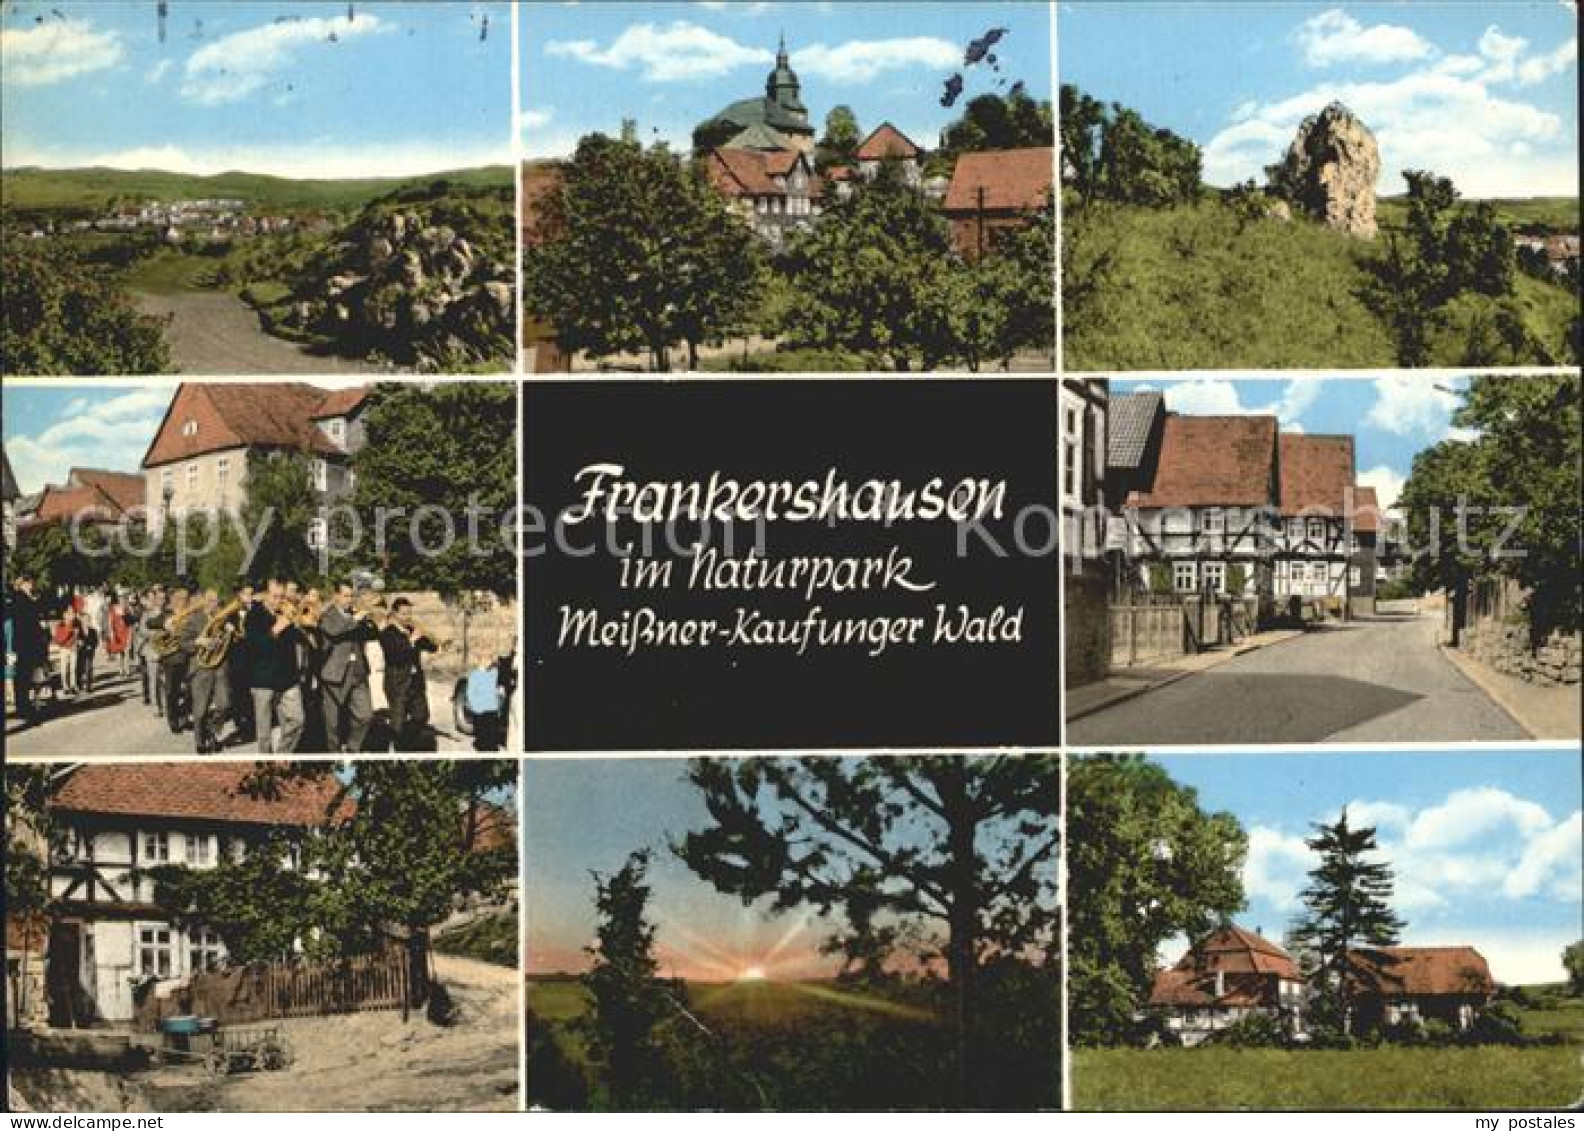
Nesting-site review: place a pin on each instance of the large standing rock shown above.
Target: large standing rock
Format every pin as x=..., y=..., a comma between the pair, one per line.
x=1330, y=171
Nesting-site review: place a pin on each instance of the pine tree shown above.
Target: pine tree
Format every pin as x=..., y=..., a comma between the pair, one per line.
x=1348, y=906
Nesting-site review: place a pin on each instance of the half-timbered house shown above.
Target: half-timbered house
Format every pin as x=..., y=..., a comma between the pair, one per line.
x=1405, y=984
x=109, y=942
x=1312, y=544
x=1202, y=516
x=1225, y=977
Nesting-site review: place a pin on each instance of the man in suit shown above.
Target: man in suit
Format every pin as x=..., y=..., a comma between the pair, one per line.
x=406, y=687
x=211, y=693
x=270, y=644
x=29, y=646
x=343, y=673
x=173, y=666
x=151, y=622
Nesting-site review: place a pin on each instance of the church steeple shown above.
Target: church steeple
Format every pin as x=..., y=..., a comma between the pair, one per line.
x=782, y=87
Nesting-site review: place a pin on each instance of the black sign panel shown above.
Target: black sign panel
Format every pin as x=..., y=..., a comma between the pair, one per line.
x=791, y=565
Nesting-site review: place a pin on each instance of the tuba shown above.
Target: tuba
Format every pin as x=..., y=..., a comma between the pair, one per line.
x=221, y=632
x=167, y=641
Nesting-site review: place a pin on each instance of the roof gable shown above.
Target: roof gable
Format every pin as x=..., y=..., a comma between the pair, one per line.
x=887, y=143
x=1011, y=180
x=1425, y=971
x=1212, y=461
x=1130, y=419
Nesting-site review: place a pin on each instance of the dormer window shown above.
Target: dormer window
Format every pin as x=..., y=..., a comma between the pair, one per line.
x=189, y=428
x=337, y=430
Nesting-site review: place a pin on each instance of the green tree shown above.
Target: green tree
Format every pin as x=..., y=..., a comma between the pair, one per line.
x=258, y=904
x=1529, y=453
x=1573, y=962
x=50, y=554
x=279, y=510
x=637, y=251
x=964, y=849
x=1082, y=119
x=630, y=1000
x=61, y=315
x=842, y=137
x=452, y=446
x=873, y=278
x=1141, y=164
x=996, y=121
x=1144, y=863
x=1347, y=907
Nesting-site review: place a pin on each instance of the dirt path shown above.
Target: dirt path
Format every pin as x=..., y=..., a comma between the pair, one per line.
x=374, y=1062
x=216, y=333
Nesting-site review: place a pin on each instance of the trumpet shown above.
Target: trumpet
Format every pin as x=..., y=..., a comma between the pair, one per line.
x=220, y=631
x=301, y=611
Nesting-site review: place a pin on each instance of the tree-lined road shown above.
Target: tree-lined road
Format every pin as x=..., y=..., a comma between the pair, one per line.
x=1376, y=680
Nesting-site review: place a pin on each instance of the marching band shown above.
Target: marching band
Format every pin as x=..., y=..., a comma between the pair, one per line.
x=288, y=669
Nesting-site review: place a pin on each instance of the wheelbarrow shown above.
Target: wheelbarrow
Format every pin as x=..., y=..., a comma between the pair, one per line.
x=255, y=1049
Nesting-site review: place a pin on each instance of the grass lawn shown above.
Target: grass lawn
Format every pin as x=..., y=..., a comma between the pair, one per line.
x=172, y=272
x=1458, y=1079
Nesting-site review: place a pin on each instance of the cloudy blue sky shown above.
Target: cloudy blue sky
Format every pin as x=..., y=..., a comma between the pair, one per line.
x=1486, y=845
x=1483, y=93
x=585, y=67
x=290, y=88
x=1391, y=417
x=52, y=427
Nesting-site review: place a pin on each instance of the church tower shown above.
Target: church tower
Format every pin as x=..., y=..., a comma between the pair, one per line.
x=782, y=87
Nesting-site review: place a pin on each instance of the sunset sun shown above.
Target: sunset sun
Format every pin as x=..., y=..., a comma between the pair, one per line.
x=752, y=974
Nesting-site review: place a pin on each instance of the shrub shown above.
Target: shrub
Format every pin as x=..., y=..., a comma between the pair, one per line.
x=1255, y=1031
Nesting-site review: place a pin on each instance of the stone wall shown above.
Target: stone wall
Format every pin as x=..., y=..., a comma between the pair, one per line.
x=1505, y=647
x=1086, y=620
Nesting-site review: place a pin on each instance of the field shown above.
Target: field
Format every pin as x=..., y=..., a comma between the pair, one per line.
x=1224, y=1079
x=1198, y=287
x=1536, y=213
x=793, y=1046
x=87, y=191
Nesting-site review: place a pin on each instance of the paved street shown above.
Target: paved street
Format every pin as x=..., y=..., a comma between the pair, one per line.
x=1381, y=680
x=114, y=722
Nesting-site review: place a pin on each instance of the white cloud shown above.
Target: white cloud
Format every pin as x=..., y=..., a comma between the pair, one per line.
x=158, y=71
x=537, y=117
x=56, y=50
x=678, y=52
x=237, y=65
x=1277, y=868
x=112, y=434
x=1414, y=406
x=1445, y=114
x=1333, y=37
x=305, y=159
x=1387, y=482
x=1481, y=843
x=1215, y=397
x=863, y=60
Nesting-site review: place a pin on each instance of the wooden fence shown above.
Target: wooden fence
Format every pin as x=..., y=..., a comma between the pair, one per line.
x=269, y=990
x=1153, y=629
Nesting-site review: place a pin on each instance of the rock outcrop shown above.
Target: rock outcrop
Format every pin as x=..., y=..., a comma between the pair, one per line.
x=1330, y=170
x=415, y=291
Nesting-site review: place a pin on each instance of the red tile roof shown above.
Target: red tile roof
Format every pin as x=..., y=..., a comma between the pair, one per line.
x=752, y=172
x=343, y=402
x=1212, y=461
x=1013, y=180
x=1316, y=472
x=1250, y=967
x=1426, y=971
x=236, y=414
x=91, y=492
x=198, y=791
x=1366, y=510
x=840, y=173
x=887, y=143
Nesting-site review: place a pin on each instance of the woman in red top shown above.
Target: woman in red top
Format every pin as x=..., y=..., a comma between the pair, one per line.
x=118, y=638
x=66, y=638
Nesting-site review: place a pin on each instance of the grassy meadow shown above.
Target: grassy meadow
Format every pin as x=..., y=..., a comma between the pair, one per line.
x=782, y=1045
x=1200, y=287
x=1386, y=1078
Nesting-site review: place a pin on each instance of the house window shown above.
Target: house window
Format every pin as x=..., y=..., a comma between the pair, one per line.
x=1355, y=577
x=189, y=428
x=197, y=845
x=337, y=430
x=321, y=474
x=1185, y=576
x=1072, y=452
x=155, y=955
x=1317, y=530
x=1319, y=572
x=192, y=477
x=167, y=482
x=156, y=847
x=317, y=529
x=222, y=475
x=205, y=951
x=1295, y=529
x=1215, y=576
